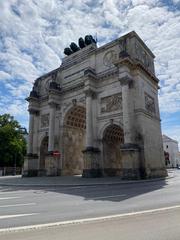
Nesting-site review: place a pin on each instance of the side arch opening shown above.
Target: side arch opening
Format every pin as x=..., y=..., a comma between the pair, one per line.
x=74, y=140
x=113, y=137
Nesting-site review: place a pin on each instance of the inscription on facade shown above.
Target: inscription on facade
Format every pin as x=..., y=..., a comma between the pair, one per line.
x=45, y=120
x=150, y=104
x=111, y=103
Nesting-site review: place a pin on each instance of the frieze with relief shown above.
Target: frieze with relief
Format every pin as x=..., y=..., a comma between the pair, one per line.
x=150, y=104
x=142, y=56
x=45, y=120
x=111, y=103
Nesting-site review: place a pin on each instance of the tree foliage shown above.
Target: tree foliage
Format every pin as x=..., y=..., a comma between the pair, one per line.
x=12, y=142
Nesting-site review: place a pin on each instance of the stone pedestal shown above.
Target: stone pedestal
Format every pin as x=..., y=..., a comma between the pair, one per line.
x=131, y=162
x=30, y=166
x=51, y=166
x=92, y=167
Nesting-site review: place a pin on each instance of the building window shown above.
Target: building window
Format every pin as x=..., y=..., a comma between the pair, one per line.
x=166, y=146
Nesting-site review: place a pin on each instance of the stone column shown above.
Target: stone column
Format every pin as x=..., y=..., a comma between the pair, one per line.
x=31, y=160
x=51, y=127
x=31, y=130
x=35, y=137
x=89, y=119
x=130, y=150
x=50, y=161
x=91, y=154
x=127, y=109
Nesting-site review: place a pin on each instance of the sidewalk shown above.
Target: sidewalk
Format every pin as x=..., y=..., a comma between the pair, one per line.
x=70, y=181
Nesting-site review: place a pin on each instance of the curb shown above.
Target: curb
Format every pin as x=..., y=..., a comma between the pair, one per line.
x=86, y=184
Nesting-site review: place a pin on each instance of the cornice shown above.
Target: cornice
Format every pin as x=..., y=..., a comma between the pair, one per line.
x=133, y=64
x=72, y=88
x=110, y=115
x=107, y=74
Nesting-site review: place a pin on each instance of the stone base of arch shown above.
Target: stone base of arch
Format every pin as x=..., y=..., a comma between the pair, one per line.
x=92, y=168
x=51, y=166
x=132, y=167
x=30, y=168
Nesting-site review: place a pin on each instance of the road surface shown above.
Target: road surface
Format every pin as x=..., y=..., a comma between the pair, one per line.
x=150, y=206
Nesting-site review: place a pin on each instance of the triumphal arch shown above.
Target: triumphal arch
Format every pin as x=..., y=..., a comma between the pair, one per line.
x=97, y=114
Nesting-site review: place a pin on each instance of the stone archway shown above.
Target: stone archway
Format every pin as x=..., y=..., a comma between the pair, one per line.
x=43, y=152
x=74, y=140
x=113, y=137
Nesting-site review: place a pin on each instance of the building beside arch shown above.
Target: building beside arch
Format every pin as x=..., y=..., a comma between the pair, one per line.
x=98, y=114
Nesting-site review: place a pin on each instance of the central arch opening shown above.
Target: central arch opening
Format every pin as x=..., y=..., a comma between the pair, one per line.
x=74, y=140
x=113, y=137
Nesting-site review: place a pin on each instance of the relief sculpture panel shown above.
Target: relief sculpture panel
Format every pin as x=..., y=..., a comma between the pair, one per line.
x=111, y=103
x=150, y=104
x=45, y=120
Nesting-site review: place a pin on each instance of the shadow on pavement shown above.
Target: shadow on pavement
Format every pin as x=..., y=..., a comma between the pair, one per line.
x=109, y=192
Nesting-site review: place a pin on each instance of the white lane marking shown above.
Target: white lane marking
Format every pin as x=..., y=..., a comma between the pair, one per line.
x=74, y=187
x=17, y=215
x=111, y=196
x=6, y=198
x=86, y=220
x=15, y=192
x=18, y=205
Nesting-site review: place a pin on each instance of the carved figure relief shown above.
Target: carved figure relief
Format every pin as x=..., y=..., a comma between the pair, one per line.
x=142, y=56
x=109, y=57
x=45, y=120
x=150, y=104
x=111, y=103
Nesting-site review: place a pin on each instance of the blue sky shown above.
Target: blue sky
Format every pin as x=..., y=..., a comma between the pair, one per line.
x=34, y=33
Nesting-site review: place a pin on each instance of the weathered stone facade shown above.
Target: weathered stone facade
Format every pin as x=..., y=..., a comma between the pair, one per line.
x=100, y=110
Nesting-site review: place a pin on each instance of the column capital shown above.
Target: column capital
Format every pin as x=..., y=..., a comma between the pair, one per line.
x=90, y=93
x=126, y=80
x=33, y=111
x=52, y=104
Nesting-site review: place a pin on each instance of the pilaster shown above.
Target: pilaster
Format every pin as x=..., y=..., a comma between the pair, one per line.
x=92, y=166
x=52, y=107
x=128, y=113
x=32, y=139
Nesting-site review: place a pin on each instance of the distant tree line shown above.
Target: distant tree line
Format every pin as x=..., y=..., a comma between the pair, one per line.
x=12, y=142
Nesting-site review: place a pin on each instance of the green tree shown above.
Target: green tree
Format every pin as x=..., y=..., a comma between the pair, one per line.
x=12, y=142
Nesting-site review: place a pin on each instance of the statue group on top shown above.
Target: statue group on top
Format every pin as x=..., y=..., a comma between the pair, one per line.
x=82, y=43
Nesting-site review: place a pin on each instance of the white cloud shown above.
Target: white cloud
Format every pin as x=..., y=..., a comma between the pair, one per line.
x=176, y=1
x=34, y=33
x=4, y=76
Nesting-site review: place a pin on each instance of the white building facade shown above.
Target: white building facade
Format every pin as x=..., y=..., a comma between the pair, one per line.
x=171, y=147
x=100, y=111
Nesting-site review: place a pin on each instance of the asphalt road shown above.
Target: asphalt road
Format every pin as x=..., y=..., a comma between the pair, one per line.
x=156, y=226
x=25, y=206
